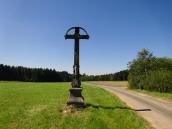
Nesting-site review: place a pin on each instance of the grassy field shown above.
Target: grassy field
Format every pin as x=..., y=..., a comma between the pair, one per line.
x=40, y=106
x=167, y=96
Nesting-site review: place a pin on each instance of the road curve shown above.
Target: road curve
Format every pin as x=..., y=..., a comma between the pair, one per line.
x=156, y=111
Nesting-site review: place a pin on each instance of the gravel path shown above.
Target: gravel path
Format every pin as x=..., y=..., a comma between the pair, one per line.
x=156, y=111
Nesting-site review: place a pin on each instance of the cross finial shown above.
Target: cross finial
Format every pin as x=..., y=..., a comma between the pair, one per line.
x=77, y=34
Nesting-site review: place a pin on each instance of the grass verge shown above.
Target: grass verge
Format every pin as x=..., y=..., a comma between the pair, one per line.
x=166, y=96
x=40, y=106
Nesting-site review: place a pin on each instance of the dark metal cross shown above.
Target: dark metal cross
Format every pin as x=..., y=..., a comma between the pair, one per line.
x=76, y=97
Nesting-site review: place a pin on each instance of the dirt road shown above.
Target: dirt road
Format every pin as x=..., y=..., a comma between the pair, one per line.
x=157, y=112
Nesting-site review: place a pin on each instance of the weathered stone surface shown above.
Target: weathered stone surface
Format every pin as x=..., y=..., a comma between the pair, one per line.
x=76, y=97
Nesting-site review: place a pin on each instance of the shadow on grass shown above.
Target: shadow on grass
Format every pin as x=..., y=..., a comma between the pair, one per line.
x=116, y=107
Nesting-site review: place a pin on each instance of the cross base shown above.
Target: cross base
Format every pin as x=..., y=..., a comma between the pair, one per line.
x=76, y=98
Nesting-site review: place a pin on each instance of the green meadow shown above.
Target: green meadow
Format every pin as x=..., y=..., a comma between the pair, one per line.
x=40, y=106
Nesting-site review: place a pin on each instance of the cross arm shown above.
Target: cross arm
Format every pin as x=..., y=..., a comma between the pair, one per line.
x=68, y=36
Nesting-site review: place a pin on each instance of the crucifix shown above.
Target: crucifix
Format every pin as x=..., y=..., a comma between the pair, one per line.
x=76, y=97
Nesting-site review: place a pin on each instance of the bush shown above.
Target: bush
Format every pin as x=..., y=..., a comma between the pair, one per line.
x=151, y=73
x=160, y=80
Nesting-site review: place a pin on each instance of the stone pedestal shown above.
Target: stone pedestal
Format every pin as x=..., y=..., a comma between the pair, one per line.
x=76, y=97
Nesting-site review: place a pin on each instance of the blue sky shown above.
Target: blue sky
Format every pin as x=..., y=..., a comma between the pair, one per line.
x=32, y=32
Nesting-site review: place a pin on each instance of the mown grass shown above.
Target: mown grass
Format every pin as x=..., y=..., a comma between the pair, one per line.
x=40, y=106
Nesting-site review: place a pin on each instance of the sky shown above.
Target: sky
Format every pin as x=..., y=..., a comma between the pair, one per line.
x=32, y=32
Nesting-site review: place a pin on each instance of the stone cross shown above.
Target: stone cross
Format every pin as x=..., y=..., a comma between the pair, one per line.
x=76, y=97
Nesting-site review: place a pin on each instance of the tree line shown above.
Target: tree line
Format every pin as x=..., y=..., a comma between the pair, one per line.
x=12, y=73
x=145, y=72
x=19, y=73
x=119, y=76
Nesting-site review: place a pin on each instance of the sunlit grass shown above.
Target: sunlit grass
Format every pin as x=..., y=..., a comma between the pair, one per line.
x=167, y=96
x=40, y=106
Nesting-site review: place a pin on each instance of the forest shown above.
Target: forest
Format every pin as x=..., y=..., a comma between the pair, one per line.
x=118, y=76
x=19, y=73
